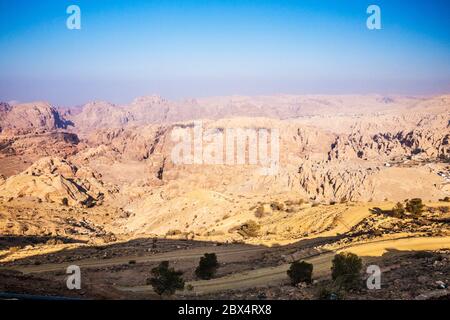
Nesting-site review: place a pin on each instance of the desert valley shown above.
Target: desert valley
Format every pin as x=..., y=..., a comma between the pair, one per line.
x=96, y=186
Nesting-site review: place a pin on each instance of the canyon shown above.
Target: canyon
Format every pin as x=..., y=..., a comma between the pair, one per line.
x=103, y=175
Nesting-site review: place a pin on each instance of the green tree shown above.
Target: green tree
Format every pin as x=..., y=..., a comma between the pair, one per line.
x=207, y=266
x=300, y=272
x=165, y=280
x=346, y=270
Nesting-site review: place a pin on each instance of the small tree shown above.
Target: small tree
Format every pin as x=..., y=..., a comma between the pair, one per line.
x=207, y=266
x=415, y=206
x=300, y=272
x=346, y=269
x=165, y=280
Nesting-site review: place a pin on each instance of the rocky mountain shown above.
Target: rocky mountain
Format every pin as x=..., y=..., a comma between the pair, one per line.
x=155, y=109
x=30, y=117
x=331, y=149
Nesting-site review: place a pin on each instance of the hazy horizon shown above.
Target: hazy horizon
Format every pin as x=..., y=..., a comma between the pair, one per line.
x=190, y=49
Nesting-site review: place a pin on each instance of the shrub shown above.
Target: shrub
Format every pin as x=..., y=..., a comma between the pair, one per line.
x=165, y=280
x=190, y=287
x=398, y=211
x=444, y=209
x=277, y=206
x=330, y=292
x=207, y=266
x=415, y=206
x=249, y=229
x=173, y=232
x=65, y=202
x=300, y=272
x=346, y=270
x=446, y=199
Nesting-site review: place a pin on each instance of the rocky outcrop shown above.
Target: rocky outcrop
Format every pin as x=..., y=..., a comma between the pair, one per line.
x=57, y=180
x=418, y=143
x=335, y=181
x=98, y=115
x=31, y=117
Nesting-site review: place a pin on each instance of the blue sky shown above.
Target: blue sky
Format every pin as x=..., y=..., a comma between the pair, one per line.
x=198, y=48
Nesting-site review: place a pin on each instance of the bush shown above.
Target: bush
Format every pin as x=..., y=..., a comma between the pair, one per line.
x=330, y=292
x=446, y=199
x=165, y=280
x=65, y=202
x=249, y=229
x=346, y=270
x=277, y=206
x=173, y=232
x=398, y=211
x=415, y=206
x=300, y=272
x=444, y=209
x=207, y=266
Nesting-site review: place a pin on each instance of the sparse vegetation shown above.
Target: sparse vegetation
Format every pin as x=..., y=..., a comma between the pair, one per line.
x=399, y=210
x=165, y=280
x=346, y=270
x=65, y=202
x=249, y=229
x=278, y=206
x=444, y=209
x=175, y=232
x=415, y=206
x=330, y=292
x=300, y=271
x=207, y=266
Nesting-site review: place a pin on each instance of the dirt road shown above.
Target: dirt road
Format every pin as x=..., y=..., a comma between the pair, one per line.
x=321, y=262
x=221, y=251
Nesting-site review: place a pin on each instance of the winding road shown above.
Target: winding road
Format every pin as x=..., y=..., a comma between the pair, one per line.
x=321, y=262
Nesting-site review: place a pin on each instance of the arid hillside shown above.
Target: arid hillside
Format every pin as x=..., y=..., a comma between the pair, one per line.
x=332, y=149
x=273, y=178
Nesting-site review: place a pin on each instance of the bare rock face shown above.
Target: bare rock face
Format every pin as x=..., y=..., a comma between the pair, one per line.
x=424, y=143
x=56, y=180
x=31, y=117
x=335, y=181
x=4, y=109
x=97, y=115
x=155, y=109
x=332, y=149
